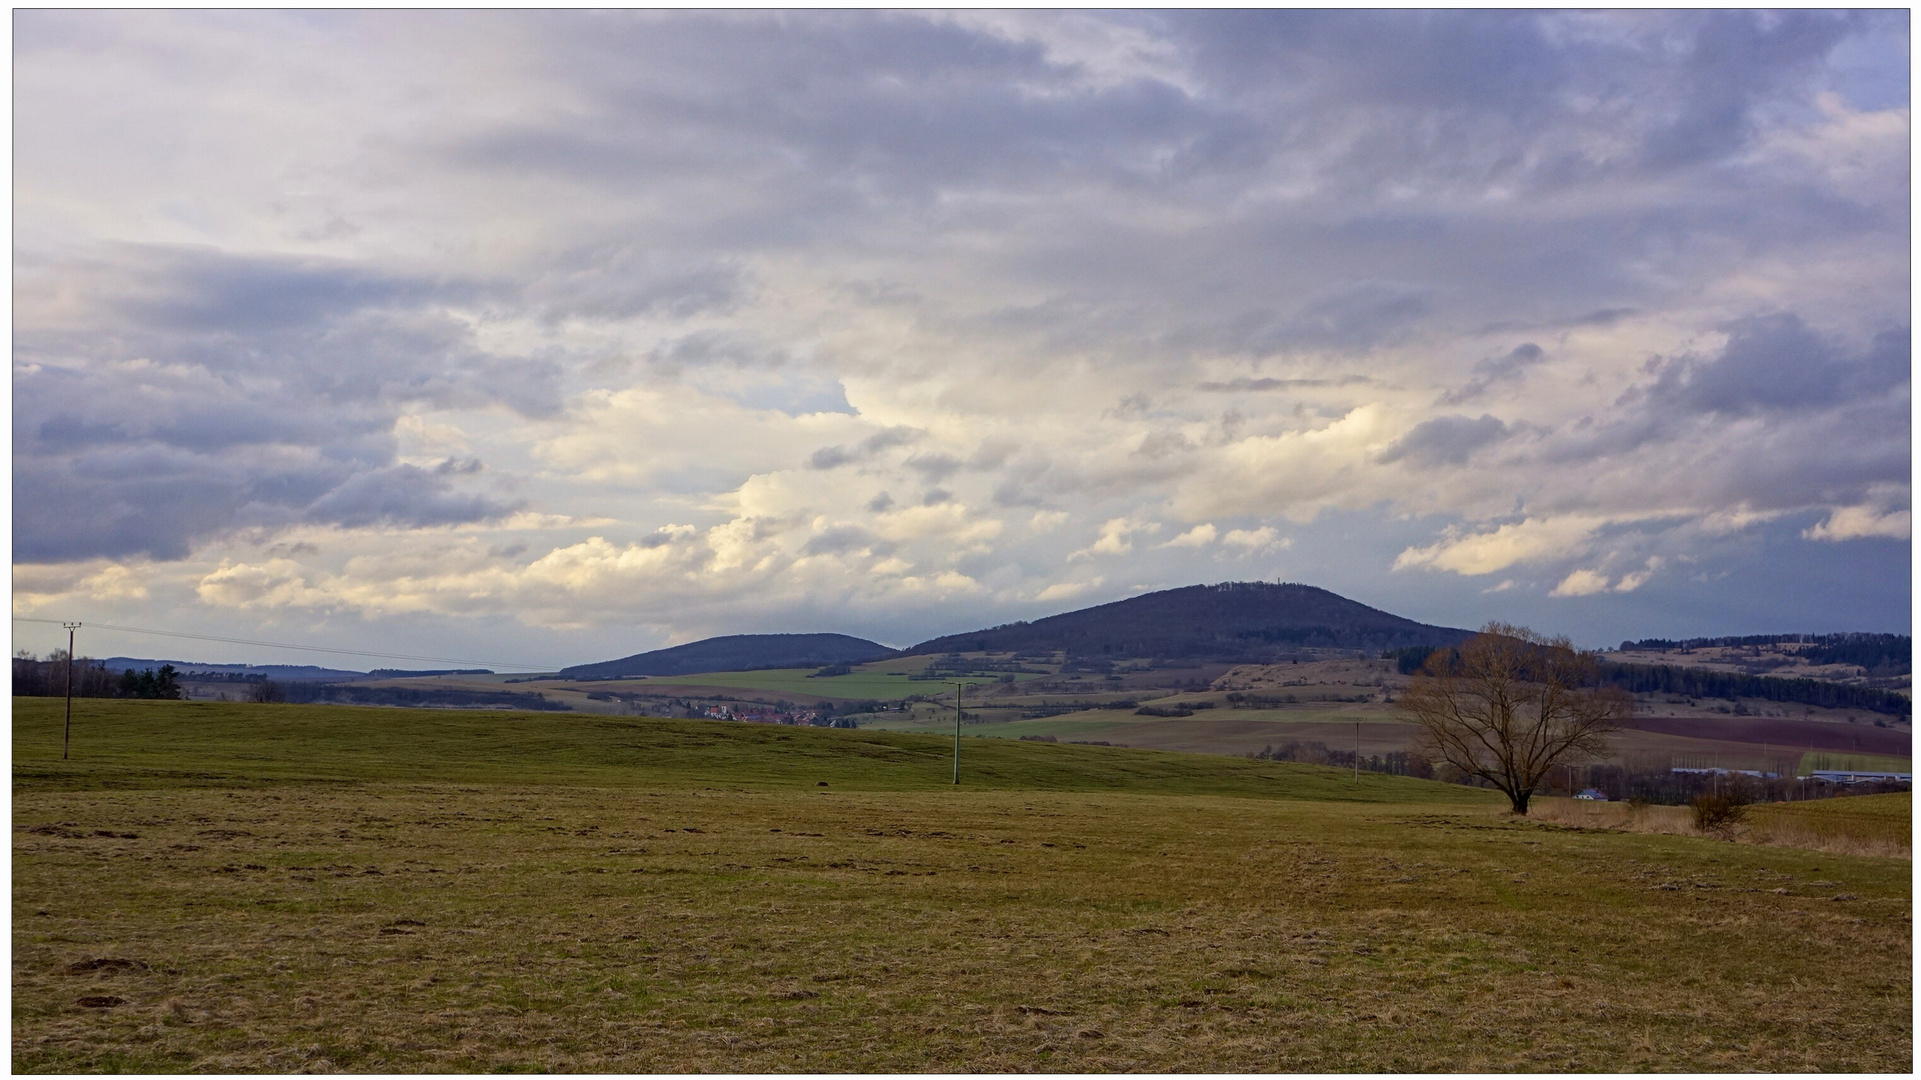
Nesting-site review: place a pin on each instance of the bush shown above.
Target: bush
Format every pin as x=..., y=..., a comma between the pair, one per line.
x=1717, y=813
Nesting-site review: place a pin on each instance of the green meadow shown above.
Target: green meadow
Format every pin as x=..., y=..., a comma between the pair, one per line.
x=860, y=684
x=120, y=744
x=234, y=888
x=1830, y=759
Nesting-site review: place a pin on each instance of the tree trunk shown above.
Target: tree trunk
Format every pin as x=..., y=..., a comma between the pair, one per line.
x=1518, y=800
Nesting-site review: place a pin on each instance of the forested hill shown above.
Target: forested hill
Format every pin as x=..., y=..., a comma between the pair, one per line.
x=1243, y=622
x=1878, y=653
x=1700, y=682
x=738, y=652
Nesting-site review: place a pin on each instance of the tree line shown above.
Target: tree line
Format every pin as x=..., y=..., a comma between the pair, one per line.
x=1865, y=650
x=1704, y=683
x=33, y=677
x=1700, y=682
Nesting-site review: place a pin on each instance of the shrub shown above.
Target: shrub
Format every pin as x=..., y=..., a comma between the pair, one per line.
x=1717, y=813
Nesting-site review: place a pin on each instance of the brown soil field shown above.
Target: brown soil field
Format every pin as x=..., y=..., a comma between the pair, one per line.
x=1776, y=732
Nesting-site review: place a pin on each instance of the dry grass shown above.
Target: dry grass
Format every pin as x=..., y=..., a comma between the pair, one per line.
x=240, y=888
x=1860, y=825
x=392, y=927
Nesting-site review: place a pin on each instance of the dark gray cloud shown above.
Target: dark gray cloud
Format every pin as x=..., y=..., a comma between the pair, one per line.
x=1445, y=440
x=194, y=393
x=1249, y=385
x=624, y=280
x=843, y=539
x=403, y=495
x=935, y=467
x=1777, y=362
x=1734, y=61
x=716, y=347
x=833, y=457
x=1511, y=367
x=1469, y=89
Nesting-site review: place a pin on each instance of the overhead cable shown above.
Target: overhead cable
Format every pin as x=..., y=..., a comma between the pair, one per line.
x=286, y=645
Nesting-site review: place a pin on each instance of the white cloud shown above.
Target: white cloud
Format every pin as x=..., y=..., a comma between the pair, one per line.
x=1858, y=522
x=1199, y=536
x=1529, y=540
x=276, y=583
x=1581, y=583
x=1116, y=537
x=1633, y=581
x=1255, y=541
x=1067, y=590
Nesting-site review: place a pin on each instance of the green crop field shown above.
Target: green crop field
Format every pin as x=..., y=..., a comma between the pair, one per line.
x=1834, y=759
x=239, y=888
x=859, y=684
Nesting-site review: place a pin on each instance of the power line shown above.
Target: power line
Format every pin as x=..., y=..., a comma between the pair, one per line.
x=285, y=645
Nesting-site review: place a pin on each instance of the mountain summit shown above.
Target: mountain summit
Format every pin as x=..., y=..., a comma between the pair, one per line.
x=737, y=652
x=1242, y=621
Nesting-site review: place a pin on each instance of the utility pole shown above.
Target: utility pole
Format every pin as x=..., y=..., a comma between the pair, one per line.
x=66, y=737
x=1357, y=753
x=957, y=726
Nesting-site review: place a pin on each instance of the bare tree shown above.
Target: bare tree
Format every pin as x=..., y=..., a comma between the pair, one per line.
x=1510, y=704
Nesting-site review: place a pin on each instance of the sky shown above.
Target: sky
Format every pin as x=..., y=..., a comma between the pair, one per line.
x=545, y=338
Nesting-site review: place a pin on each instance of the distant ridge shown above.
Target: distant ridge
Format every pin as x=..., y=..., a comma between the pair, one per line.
x=737, y=652
x=1240, y=621
x=282, y=672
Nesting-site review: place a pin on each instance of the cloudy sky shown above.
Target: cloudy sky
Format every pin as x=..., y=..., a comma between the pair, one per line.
x=547, y=338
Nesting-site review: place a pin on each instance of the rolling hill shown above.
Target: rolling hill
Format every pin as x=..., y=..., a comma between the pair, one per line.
x=737, y=652
x=1233, y=621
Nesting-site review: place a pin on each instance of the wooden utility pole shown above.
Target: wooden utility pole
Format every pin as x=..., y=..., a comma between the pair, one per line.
x=1357, y=753
x=957, y=726
x=66, y=737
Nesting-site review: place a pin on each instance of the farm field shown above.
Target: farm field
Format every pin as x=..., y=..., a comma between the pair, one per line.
x=327, y=888
x=860, y=684
x=1215, y=732
x=1862, y=822
x=876, y=682
x=1239, y=709
x=1822, y=759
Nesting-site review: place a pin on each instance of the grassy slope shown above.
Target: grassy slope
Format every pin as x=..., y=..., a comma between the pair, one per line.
x=121, y=743
x=1836, y=759
x=860, y=684
x=677, y=896
x=1898, y=805
x=1886, y=819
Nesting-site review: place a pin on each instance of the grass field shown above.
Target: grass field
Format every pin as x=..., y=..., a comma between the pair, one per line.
x=1849, y=825
x=286, y=888
x=119, y=744
x=860, y=684
x=1866, y=823
x=1828, y=759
